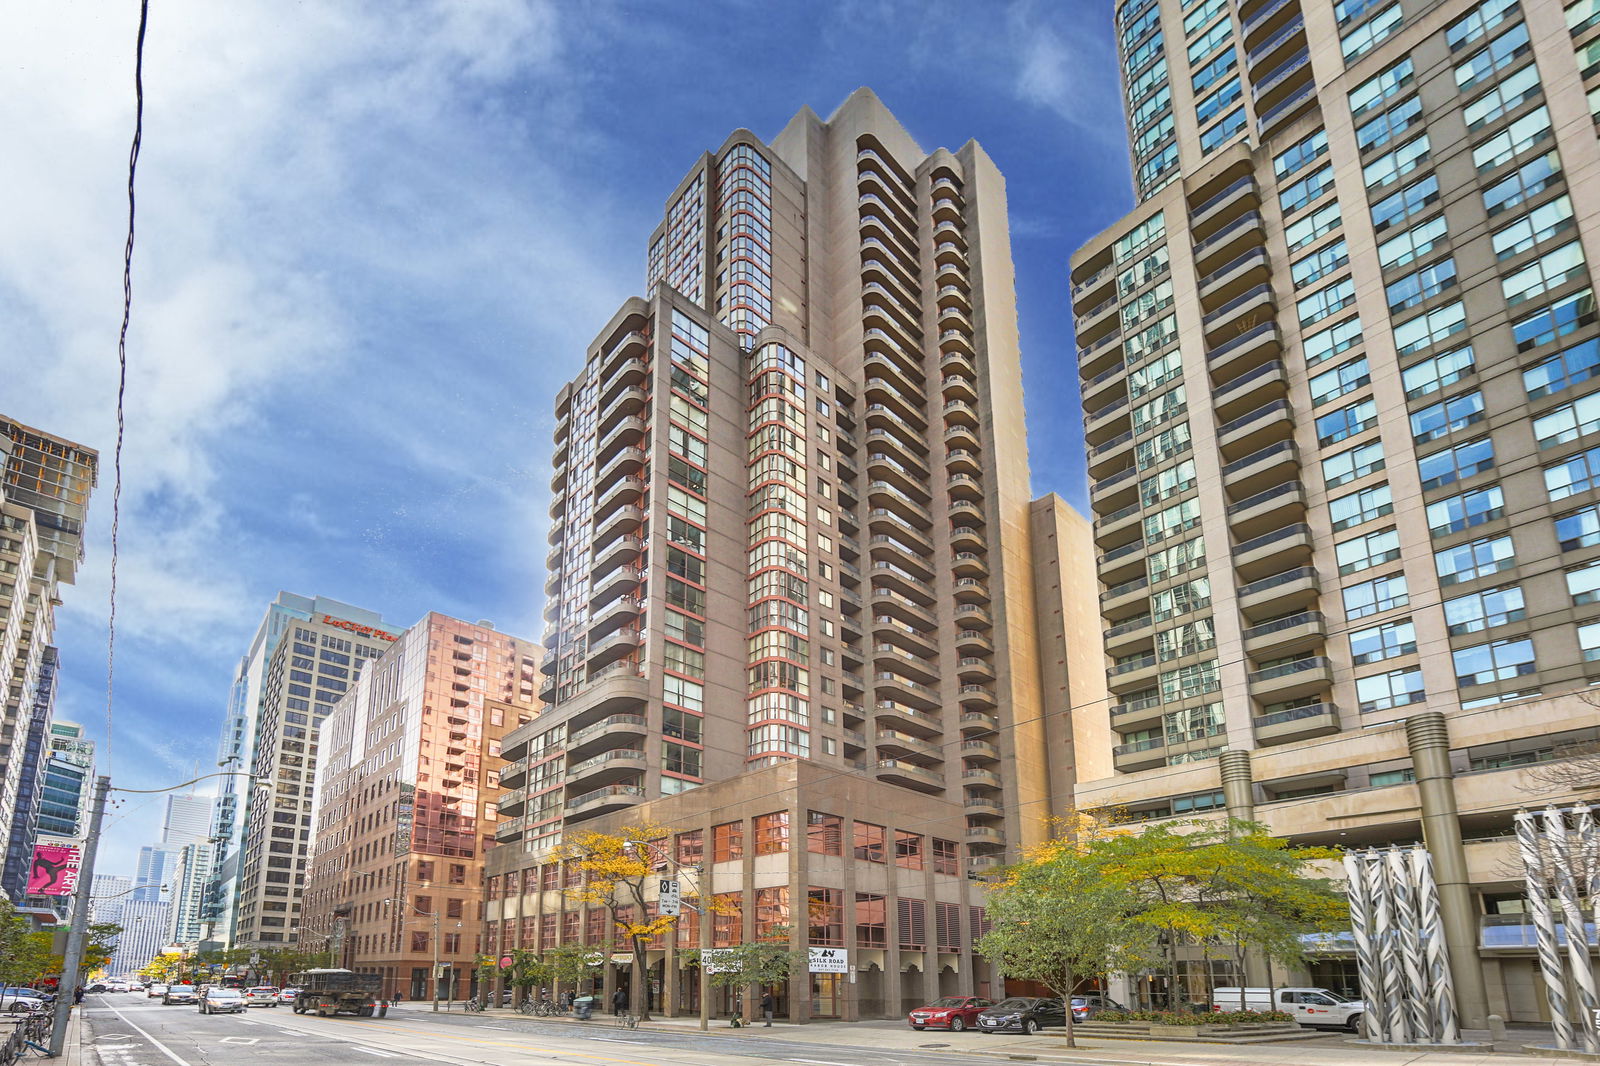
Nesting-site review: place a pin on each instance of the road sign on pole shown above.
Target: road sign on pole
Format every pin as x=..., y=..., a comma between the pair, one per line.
x=669, y=898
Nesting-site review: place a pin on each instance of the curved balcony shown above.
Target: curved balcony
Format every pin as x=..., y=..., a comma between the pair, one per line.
x=629, y=374
x=956, y=342
x=981, y=777
x=623, y=491
x=905, y=447
x=1269, y=553
x=902, y=690
x=558, y=504
x=969, y=564
x=1281, y=593
x=890, y=470
x=893, y=657
x=1297, y=723
x=604, y=800
x=958, y=387
x=584, y=742
x=613, y=646
x=960, y=411
x=620, y=612
x=962, y=461
x=971, y=590
x=974, y=616
x=1260, y=384
x=976, y=697
x=895, y=742
x=1261, y=469
x=900, y=716
x=1242, y=232
x=1268, y=510
x=888, y=549
x=883, y=522
x=631, y=346
x=616, y=552
x=890, y=497
x=962, y=435
x=985, y=837
x=909, y=774
x=621, y=581
x=1244, y=310
x=981, y=751
x=888, y=628
x=903, y=339
x=606, y=767
x=1268, y=424
x=620, y=520
x=1137, y=713
x=967, y=512
x=625, y=461
x=974, y=670
x=1304, y=677
x=978, y=723
x=963, y=486
x=950, y=252
x=904, y=377
x=904, y=266
x=966, y=538
x=902, y=607
x=558, y=532
x=974, y=642
x=984, y=806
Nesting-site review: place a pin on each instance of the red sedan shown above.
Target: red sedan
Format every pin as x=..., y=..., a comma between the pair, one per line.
x=954, y=1013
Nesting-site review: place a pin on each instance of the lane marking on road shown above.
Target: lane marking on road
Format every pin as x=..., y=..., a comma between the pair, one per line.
x=241, y=1040
x=822, y=1062
x=375, y=1051
x=164, y=1049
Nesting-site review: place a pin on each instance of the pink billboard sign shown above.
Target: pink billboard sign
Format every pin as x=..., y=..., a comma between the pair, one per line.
x=55, y=870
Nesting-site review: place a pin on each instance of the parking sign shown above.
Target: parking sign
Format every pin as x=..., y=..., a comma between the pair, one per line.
x=669, y=898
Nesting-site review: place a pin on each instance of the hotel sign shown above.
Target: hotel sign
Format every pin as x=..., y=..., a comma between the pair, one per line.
x=358, y=628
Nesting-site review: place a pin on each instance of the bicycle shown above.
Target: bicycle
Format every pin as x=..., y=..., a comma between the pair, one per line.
x=627, y=1021
x=472, y=1005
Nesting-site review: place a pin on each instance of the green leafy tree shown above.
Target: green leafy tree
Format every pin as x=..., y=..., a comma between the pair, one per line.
x=1056, y=918
x=1220, y=883
x=753, y=965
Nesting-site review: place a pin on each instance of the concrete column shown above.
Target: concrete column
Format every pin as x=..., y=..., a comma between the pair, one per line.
x=1428, y=736
x=1238, y=784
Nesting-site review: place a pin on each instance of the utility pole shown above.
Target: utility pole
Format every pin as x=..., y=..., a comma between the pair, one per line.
x=78, y=932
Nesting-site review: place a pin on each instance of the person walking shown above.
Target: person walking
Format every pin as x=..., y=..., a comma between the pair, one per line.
x=767, y=1003
x=619, y=1001
x=77, y=994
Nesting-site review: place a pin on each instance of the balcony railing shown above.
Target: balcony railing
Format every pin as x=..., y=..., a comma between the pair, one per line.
x=1294, y=714
x=1267, y=539
x=1247, y=337
x=1304, y=618
x=1299, y=573
x=1288, y=488
x=1283, y=446
x=1299, y=666
x=1255, y=292
x=1250, y=416
x=1213, y=201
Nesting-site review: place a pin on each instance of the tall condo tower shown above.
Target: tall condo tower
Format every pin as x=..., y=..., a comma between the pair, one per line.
x=792, y=523
x=1338, y=366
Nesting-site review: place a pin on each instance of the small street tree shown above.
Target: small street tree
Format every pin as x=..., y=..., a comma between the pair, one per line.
x=1221, y=882
x=753, y=965
x=615, y=868
x=1057, y=920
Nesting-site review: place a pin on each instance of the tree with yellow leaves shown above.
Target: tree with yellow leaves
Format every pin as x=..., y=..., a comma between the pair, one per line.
x=615, y=869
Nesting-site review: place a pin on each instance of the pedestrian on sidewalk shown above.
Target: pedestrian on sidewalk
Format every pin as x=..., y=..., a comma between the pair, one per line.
x=619, y=1001
x=767, y=1003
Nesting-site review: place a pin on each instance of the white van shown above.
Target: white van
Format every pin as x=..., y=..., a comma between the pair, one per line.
x=1316, y=1007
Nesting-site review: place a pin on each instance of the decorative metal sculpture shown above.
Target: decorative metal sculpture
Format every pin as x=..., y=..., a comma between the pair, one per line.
x=1547, y=860
x=1401, y=955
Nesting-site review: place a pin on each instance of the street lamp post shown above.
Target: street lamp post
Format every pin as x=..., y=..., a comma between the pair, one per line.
x=704, y=911
x=78, y=931
x=435, y=916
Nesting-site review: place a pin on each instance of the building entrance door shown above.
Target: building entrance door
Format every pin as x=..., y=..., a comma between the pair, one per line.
x=827, y=995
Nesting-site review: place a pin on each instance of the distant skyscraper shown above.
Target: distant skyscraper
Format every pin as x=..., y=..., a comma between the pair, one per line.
x=25, y=821
x=67, y=790
x=188, y=820
x=188, y=880
x=153, y=880
x=110, y=897
x=306, y=654
x=44, y=497
x=145, y=925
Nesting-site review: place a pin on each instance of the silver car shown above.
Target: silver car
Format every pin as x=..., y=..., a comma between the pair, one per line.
x=216, y=1000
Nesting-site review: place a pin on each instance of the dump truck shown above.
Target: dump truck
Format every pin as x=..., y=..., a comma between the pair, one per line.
x=329, y=992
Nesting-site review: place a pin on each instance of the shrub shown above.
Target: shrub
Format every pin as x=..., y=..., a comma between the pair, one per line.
x=1172, y=1017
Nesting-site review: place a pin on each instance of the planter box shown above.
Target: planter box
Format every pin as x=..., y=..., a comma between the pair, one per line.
x=1261, y=1032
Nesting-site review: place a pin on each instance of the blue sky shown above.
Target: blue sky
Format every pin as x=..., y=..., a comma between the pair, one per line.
x=374, y=239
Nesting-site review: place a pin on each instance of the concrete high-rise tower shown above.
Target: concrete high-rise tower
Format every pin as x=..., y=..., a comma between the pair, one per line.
x=1338, y=366
x=793, y=544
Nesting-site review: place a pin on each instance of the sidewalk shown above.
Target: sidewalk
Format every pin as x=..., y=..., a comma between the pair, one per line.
x=1337, y=1050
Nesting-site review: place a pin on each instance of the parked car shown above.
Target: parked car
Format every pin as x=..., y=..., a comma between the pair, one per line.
x=261, y=996
x=1023, y=1014
x=1316, y=1007
x=116, y=986
x=219, y=1000
x=98, y=986
x=286, y=995
x=954, y=1013
x=155, y=990
x=21, y=999
x=1093, y=1005
x=179, y=994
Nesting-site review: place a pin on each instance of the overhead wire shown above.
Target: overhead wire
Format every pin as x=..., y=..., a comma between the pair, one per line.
x=122, y=369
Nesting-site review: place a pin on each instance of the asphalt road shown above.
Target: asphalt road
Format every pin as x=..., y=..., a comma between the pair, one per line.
x=130, y=1030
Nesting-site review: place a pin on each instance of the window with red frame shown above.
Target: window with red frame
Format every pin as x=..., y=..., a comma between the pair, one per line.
x=824, y=833
x=772, y=909
x=946, y=857
x=772, y=833
x=691, y=848
x=547, y=932
x=727, y=926
x=947, y=926
x=872, y=921
x=825, y=917
x=913, y=924
x=869, y=842
x=594, y=927
x=907, y=850
x=727, y=842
